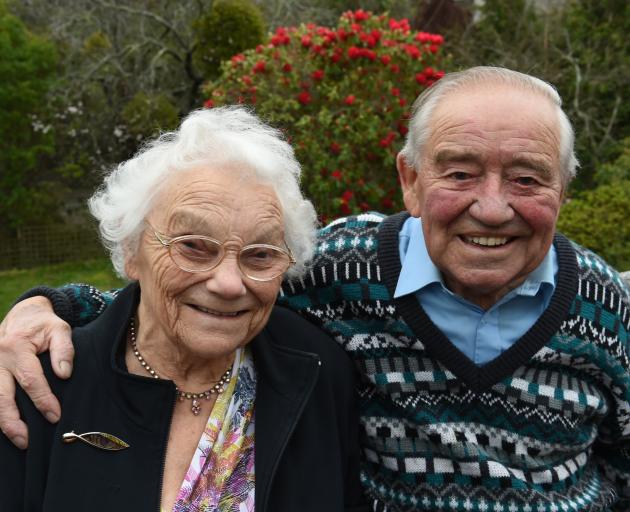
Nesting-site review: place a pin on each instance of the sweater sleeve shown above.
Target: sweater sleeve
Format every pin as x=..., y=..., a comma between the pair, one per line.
x=77, y=304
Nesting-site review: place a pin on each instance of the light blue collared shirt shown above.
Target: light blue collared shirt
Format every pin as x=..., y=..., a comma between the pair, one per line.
x=480, y=335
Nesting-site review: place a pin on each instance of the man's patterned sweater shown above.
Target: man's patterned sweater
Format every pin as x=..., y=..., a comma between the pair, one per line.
x=544, y=427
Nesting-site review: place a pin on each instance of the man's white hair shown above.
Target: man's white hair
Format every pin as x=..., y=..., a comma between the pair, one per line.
x=426, y=103
x=230, y=138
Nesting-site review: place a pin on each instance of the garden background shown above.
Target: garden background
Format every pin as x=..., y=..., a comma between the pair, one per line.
x=84, y=82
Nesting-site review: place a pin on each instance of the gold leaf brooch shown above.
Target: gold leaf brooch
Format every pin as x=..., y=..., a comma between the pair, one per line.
x=100, y=440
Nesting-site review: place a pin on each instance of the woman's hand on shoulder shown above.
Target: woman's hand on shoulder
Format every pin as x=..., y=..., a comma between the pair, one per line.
x=31, y=328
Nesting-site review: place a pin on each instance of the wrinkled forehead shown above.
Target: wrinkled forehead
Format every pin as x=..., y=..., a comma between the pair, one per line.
x=507, y=115
x=219, y=200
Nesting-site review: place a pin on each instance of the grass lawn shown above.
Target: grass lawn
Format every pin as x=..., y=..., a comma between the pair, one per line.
x=95, y=272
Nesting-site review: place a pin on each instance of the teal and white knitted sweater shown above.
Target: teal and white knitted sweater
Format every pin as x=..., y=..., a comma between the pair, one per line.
x=545, y=427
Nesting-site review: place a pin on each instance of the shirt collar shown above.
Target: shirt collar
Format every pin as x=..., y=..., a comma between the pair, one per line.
x=418, y=271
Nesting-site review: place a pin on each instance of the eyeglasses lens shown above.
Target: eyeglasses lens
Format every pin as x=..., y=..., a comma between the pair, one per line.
x=256, y=261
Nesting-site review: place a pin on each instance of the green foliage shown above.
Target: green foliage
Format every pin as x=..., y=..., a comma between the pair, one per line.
x=145, y=115
x=230, y=27
x=27, y=62
x=598, y=219
x=619, y=170
x=342, y=96
x=580, y=46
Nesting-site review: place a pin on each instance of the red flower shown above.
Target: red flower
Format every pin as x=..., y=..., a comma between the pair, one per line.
x=368, y=39
x=361, y=15
x=387, y=140
x=395, y=91
x=344, y=208
x=354, y=52
x=318, y=74
x=237, y=58
x=386, y=59
x=337, y=54
x=247, y=79
x=336, y=174
x=434, y=48
x=259, y=67
x=280, y=39
x=402, y=25
x=395, y=68
x=369, y=54
x=287, y=67
x=364, y=206
x=304, y=97
x=259, y=48
x=306, y=41
x=208, y=103
x=402, y=102
x=349, y=100
x=387, y=202
x=376, y=34
x=402, y=129
x=335, y=148
x=347, y=195
x=423, y=37
x=412, y=51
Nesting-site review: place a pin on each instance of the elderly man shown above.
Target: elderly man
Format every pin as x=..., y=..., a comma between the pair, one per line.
x=494, y=351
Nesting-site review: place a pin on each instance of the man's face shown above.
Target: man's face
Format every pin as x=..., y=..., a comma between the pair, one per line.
x=488, y=189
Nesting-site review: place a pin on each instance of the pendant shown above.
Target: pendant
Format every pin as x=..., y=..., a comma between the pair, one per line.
x=196, y=407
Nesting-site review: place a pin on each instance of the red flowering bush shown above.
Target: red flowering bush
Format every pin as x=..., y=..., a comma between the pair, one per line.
x=343, y=97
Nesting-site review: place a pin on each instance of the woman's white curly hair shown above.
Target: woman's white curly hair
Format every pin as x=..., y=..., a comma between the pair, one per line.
x=226, y=138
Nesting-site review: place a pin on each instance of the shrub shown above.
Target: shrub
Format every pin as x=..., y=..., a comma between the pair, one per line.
x=146, y=114
x=231, y=26
x=619, y=170
x=343, y=97
x=598, y=219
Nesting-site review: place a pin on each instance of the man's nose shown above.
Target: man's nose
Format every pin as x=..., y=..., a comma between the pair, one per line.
x=492, y=205
x=226, y=279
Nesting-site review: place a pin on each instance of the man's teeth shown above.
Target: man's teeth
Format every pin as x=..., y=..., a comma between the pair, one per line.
x=487, y=240
x=217, y=313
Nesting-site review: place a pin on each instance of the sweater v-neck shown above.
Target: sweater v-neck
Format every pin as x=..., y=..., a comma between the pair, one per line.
x=478, y=378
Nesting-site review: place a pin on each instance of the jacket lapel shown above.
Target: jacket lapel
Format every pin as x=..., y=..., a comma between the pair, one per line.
x=285, y=380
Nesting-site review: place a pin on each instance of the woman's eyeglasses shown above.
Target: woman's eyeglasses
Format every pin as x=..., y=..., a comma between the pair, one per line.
x=193, y=253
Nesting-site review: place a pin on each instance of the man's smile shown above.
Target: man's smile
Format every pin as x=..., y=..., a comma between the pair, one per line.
x=487, y=241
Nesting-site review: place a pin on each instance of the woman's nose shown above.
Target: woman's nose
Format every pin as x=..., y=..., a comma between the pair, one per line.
x=226, y=278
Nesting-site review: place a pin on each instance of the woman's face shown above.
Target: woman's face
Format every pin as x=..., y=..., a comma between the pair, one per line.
x=207, y=314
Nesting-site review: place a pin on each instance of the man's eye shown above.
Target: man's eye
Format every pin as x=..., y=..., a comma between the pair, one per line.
x=459, y=175
x=526, y=181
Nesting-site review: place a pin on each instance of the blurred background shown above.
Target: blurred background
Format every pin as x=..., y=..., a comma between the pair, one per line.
x=84, y=82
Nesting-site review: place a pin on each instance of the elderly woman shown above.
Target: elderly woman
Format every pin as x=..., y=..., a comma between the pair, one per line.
x=194, y=392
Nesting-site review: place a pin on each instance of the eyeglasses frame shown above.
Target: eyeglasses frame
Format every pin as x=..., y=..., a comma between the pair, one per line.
x=168, y=244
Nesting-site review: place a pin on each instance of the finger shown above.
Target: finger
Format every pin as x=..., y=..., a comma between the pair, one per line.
x=61, y=350
x=10, y=423
x=30, y=376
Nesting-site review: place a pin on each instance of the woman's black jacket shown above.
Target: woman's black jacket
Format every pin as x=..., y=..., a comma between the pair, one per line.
x=306, y=451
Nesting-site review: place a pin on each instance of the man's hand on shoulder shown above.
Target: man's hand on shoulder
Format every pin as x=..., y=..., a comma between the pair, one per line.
x=30, y=328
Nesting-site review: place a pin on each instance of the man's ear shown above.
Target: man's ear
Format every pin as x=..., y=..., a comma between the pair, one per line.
x=410, y=185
